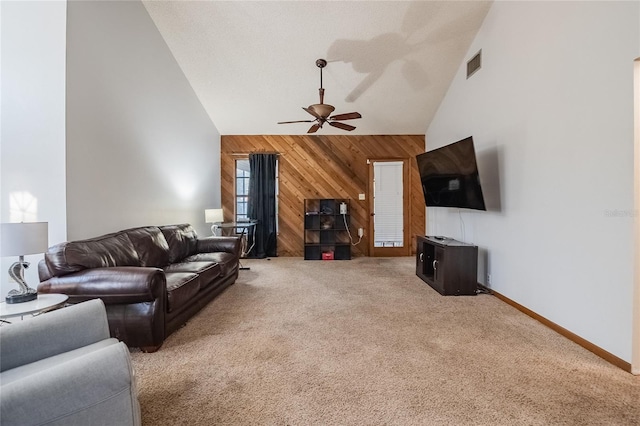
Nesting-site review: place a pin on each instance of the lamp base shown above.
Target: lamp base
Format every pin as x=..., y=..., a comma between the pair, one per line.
x=16, y=296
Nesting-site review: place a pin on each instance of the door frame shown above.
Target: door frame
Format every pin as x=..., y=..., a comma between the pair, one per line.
x=635, y=325
x=406, y=210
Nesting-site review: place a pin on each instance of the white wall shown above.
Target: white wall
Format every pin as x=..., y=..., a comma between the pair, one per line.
x=32, y=160
x=140, y=148
x=551, y=112
x=635, y=363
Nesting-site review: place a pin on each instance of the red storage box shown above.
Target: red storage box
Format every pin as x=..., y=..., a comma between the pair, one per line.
x=327, y=255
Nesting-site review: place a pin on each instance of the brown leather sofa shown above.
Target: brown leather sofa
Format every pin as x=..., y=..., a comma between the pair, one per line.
x=151, y=279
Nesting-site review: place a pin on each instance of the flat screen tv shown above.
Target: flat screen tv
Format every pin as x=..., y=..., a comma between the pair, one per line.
x=450, y=177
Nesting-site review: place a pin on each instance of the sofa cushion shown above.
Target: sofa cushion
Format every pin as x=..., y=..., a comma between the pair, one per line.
x=181, y=288
x=228, y=262
x=101, y=252
x=182, y=240
x=208, y=271
x=150, y=244
x=40, y=366
x=97, y=387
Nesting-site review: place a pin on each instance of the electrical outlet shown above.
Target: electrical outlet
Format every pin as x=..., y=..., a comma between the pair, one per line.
x=360, y=232
x=488, y=279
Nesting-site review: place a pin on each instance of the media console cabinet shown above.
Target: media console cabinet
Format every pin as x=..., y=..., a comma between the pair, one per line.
x=447, y=265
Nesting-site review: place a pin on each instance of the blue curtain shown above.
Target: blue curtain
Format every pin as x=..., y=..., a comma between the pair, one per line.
x=262, y=204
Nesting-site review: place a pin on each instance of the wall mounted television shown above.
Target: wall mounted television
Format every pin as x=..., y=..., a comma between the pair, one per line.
x=450, y=177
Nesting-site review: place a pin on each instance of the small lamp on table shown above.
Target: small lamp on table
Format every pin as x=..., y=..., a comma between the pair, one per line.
x=215, y=217
x=20, y=239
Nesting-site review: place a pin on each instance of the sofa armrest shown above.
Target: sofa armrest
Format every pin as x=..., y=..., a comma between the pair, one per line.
x=53, y=333
x=219, y=244
x=97, y=387
x=117, y=285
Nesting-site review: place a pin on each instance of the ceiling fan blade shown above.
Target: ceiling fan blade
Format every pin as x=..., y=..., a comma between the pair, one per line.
x=341, y=125
x=312, y=112
x=313, y=128
x=347, y=116
x=298, y=121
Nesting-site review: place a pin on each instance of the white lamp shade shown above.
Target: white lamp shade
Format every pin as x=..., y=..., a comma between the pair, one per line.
x=213, y=216
x=19, y=239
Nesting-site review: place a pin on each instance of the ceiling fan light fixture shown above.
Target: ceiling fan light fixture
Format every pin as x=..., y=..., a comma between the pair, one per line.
x=323, y=110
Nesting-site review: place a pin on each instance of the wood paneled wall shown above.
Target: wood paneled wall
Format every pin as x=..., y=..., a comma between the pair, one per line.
x=334, y=166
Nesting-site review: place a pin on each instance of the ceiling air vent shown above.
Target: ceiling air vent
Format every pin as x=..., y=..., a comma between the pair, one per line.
x=474, y=64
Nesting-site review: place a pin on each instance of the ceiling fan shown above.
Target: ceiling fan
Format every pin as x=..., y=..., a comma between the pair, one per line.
x=321, y=111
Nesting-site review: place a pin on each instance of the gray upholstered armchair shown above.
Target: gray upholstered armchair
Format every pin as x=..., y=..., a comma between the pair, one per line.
x=62, y=368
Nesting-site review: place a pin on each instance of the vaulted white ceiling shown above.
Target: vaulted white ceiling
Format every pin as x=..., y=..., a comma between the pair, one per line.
x=252, y=63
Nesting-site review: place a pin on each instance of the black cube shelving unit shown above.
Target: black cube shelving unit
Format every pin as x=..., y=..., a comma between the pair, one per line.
x=325, y=234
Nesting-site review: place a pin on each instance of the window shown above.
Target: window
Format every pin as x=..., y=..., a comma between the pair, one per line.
x=242, y=190
x=388, y=204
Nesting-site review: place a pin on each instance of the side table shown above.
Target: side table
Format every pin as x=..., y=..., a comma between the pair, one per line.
x=244, y=230
x=44, y=302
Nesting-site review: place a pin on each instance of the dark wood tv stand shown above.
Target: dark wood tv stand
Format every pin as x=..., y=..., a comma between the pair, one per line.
x=447, y=265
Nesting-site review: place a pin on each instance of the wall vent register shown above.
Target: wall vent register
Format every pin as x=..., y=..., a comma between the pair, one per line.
x=474, y=64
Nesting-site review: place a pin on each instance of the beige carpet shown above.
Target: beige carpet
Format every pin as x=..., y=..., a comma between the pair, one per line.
x=365, y=342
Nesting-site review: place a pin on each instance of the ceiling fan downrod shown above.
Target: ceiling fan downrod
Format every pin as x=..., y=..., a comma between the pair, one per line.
x=321, y=63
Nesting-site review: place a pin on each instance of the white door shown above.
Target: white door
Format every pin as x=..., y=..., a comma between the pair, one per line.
x=389, y=222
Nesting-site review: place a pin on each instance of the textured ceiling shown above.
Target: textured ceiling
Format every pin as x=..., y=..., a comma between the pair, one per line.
x=252, y=63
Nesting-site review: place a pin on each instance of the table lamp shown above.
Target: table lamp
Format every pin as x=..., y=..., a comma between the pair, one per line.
x=20, y=239
x=213, y=216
